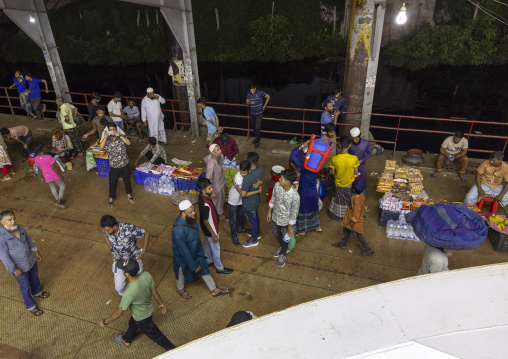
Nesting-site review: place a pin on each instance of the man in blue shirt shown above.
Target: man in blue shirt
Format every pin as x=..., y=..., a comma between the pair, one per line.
x=338, y=102
x=212, y=121
x=35, y=94
x=133, y=118
x=328, y=116
x=256, y=108
x=24, y=95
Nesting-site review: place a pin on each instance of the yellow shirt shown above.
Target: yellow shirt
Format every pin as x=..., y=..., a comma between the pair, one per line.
x=344, y=165
x=492, y=176
x=67, y=110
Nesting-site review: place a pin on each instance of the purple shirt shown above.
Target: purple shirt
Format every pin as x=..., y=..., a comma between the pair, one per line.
x=361, y=150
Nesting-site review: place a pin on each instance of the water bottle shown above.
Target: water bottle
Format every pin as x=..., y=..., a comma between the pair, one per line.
x=402, y=219
x=171, y=189
x=410, y=233
x=153, y=185
x=286, y=238
x=396, y=230
x=147, y=185
x=403, y=231
x=161, y=185
x=389, y=229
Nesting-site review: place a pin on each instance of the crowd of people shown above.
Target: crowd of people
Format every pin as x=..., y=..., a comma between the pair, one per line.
x=292, y=212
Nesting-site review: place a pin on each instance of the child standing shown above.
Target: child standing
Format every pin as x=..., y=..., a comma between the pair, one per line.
x=48, y=167
x=353, y=222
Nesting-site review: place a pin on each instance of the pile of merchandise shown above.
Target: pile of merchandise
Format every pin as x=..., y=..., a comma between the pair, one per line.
x=148, y=167
x=400, y=229
x=400, y=180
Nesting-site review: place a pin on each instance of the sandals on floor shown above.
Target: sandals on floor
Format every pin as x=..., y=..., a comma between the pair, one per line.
x=365, y=253
x=5, y=179
x=435, y=174
x=463, y=177
x=338, y=245
x=225, y=219
x=184, y=294
x=221, y=292
x=37, y=312
x=132, y=200
x=318, y=232
x=43, y=295
x=110, y=204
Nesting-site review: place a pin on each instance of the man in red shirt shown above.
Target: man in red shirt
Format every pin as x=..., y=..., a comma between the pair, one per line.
x=229, y=149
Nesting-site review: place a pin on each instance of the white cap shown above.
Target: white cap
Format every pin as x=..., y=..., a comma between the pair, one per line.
x=148, y=90
x=212, y=147
x=355, y=132
x=184, y=205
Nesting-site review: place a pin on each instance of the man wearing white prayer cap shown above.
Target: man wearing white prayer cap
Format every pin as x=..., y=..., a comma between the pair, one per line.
x=215, y=173
x=360, y=147
x=151, y=115
x=188, y=257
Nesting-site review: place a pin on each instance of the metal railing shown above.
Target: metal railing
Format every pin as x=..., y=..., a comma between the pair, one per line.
x=303, y=121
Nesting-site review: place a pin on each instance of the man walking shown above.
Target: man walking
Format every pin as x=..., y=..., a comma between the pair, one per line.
x=251, y=183
x=215, y=173
x=121, y=239
x=434, y=260
x=151, y=113
x=188, y=257
x=209, y=221
x=20, y=255
x=360, y=147
x=115, y=110
x=344, y=167
x=35, y=94
x=256, y=107
x=284, y=206
x=453, y=148
x=68, y=115
x=138, y=298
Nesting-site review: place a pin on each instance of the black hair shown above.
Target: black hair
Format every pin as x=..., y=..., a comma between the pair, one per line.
x=459, y=134
x=152, y=140
x=344, y=141
x=96, y=96
x=112, y=124
x=337, y=90
x=239, y=317
x=4, y=131
x=129, y=266
x=7, y=212
x=131, y=100
x=245, y=166
x=104, y=122
x=355, y=188
x=253, y=157
x=117, y=94
x=253, y=86
x=224, y=137
x=101, y=108
x=203, y=183
x=329, y=127
x=498, y=155
x=29, y=74
x=202, y=100
x=38, y=147
x=20, y=72
x=289, y=175
x=326, y=103
x=108, y=221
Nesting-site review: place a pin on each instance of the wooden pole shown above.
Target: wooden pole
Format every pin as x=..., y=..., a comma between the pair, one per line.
x=334, y=17
x=273, y=5
x=217, y=17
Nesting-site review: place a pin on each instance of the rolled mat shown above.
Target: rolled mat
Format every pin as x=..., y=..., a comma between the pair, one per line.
x=452, y=226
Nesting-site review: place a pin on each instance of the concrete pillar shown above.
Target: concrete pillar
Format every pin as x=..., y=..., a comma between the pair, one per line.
x=372, y=63
x=39, y=30
x=357, y=58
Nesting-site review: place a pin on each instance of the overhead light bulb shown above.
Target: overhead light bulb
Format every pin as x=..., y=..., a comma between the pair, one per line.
x=32, y=19
x=402, y=17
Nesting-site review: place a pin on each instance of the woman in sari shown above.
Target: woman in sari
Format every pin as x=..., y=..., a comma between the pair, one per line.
x=5, y=161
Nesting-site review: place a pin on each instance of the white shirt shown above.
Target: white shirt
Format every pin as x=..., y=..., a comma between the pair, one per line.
x=151, y=112
x=115, y=109
x=434, y=260
x=234, y=198
x=120, y=132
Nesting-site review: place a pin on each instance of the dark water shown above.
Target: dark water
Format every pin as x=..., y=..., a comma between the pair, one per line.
x=474, y=93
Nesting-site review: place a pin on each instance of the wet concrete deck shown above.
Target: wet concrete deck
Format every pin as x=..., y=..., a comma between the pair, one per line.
x=76, y=265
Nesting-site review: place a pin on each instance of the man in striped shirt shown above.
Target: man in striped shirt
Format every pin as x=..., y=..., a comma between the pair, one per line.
x=255, y=102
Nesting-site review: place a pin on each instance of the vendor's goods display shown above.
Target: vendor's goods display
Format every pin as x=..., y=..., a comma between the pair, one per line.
x=452, y=226
x=400, y=180
x=498, y=233
x=400, y=229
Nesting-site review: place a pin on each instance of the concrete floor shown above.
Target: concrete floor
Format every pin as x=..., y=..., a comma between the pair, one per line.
x=76, y=265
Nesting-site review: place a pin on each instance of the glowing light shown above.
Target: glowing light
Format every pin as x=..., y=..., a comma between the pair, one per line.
x=402, y=17
x=32, y=19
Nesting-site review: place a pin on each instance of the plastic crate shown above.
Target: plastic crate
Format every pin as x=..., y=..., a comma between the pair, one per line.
x=102, y=166
x=183, y=184
x=140, y=177
x=499, y=240
x=385, y=216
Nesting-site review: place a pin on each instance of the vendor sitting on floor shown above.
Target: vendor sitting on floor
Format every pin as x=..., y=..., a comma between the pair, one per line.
x=133, y=119
x=491, y=181
x=153, y=152
x=228, y=147
x=62, y=146
x=454, y=148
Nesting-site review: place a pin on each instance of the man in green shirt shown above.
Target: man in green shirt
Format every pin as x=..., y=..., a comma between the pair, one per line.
x=138, y=297
x=68, y=115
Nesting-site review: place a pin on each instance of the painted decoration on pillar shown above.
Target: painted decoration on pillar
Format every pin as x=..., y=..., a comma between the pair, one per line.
x=177, y=72
x=362, y=29
x=370, y=82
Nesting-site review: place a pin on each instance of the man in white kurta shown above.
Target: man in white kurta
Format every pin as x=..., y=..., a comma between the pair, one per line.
x=152, y=115
x=434, y=260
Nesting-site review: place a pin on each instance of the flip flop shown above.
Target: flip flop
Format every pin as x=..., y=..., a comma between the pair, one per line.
x=462, y=177
x=435, y=174
x=221, y=292
x=117, y=337
x=225, y=219
x=132, y=199
x=5, y=179
x=43, y=295
x=37, y=312
x=365, y=254
x=318, y=232
x=184, y=294
x=110, y=204
x=337, y=245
